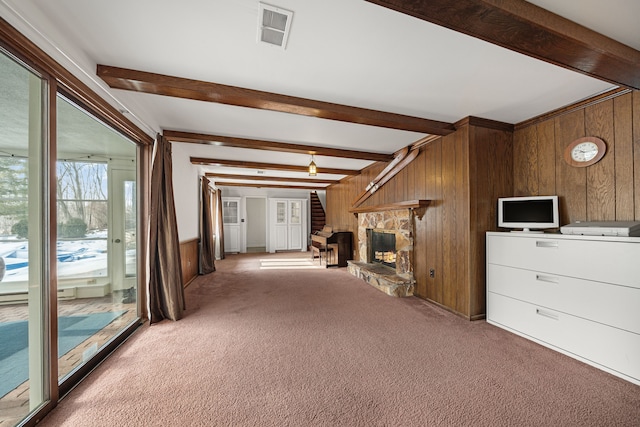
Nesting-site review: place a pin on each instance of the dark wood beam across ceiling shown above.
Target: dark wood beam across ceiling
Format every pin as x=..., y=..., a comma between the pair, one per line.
x=526, y=28
x=159, y=84
x=269, y=178
x=268, y=166
x=256, y=144
x=290, y=187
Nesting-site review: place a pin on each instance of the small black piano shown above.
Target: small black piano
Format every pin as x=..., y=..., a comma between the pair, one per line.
x=333, y=246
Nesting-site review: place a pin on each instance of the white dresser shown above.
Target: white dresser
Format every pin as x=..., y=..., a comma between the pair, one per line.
x=579, y=295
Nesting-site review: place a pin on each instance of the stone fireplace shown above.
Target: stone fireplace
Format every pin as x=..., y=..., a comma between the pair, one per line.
x=385, y=250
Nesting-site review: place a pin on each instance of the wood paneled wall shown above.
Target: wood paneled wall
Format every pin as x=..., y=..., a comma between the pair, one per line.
x=462, y=174
x=189, y=260
x=608, y=190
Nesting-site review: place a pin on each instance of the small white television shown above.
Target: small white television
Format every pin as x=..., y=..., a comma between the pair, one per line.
x=528, y=213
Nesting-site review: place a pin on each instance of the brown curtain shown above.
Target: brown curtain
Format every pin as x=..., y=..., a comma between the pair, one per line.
x=166, y=293
x=219, y=223
x=207, y=250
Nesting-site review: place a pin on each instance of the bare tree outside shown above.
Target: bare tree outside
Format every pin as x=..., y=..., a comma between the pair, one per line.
x=82, y=193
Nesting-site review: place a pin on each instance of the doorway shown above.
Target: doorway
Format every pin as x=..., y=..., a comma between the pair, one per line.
x=256, y=225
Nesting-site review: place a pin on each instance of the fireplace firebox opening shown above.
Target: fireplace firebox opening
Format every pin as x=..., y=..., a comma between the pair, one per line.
x=381, y=248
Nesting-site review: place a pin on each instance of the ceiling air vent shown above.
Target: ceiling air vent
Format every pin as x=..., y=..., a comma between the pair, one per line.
x=273, y=25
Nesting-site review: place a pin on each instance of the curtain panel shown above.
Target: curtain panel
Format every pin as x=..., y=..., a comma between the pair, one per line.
x=166, y=292
x=207, y=249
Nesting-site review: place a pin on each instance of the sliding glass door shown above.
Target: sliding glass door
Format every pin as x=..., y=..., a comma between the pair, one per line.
x=24, y=303
x=68, y=241
x=97, y=232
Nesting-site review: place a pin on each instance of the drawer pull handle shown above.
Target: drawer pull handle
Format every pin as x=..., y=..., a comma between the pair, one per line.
x=548, y=279
x=547, y=314
x=545, y=244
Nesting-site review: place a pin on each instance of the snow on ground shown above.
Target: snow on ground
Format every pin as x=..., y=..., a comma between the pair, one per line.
x=85, y=257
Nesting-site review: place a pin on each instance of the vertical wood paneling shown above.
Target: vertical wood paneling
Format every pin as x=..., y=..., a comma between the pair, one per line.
x=462, y=224
x=455, y=221
x=476, y=146
x=420, y=172
x=601, y=192
x=525, y=164
x=521, y=177
x=571, y=182
x=491, y=154
x=420, y=250
x=432, y=239
x=436, y=227
x=622, y=109
x=608, y=190
x=448, y=219
x=408, y=178
x=397, y=186
x=546, y=158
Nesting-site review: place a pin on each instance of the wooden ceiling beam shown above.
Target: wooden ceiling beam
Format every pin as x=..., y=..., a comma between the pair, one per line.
x=268, y=166
x=159, y=84
x=270, y=178
x=291, y=187
x=256, y=144
x=526, y=28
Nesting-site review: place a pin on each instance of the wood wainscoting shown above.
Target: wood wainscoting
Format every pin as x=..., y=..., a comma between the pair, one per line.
x=189, y=255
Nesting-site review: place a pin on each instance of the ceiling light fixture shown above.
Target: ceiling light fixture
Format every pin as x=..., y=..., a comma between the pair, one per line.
x=313, y=170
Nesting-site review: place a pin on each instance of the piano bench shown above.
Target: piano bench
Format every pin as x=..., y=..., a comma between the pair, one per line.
x=321, y=252
x=315, y=252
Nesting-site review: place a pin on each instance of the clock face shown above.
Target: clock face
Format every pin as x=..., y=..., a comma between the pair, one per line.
x=584, y=152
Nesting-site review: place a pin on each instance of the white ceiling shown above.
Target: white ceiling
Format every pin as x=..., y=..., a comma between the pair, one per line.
x=343, y=51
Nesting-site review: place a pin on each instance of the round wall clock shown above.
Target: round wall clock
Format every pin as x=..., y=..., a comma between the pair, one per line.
x=585, y=151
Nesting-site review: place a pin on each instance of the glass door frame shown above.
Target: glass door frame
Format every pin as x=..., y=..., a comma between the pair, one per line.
x=117, y=240
x=59, y=80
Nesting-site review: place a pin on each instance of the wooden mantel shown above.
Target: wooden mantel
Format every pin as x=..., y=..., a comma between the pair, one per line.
x=407, y=204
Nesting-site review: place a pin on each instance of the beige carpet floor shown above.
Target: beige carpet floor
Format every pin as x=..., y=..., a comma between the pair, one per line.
x=318, y=347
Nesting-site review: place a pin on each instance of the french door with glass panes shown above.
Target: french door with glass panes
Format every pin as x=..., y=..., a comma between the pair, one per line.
x=288, y=224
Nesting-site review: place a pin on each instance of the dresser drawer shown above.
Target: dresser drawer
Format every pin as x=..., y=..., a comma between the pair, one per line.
x=597, y=260
x=613, y=305
x=593, y=342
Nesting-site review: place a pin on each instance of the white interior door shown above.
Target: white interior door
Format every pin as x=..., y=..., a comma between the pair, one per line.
x=280, y=226
x=295, y=224
x=231, y=223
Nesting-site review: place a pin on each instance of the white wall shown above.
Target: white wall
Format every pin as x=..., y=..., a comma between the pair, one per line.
x=322, y=195
x=186, y=193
